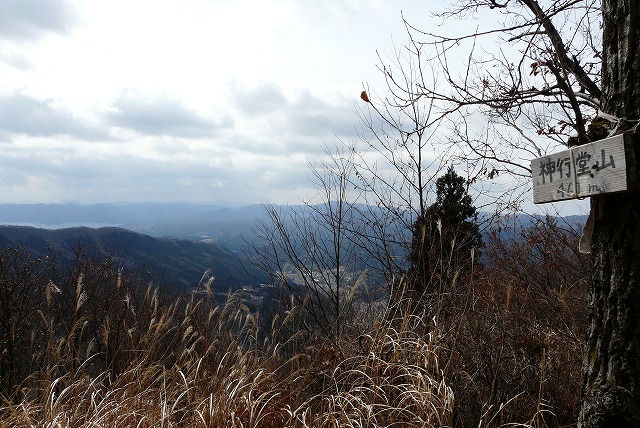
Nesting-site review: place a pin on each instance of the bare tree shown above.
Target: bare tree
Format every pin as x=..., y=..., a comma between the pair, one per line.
x=398, y=160
x=534, y=90
x=309, y=250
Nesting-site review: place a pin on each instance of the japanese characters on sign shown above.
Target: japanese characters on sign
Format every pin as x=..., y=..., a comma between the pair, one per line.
x=590, y=169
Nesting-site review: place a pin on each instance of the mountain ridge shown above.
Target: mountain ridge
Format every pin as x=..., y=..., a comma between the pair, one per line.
x=176, y=263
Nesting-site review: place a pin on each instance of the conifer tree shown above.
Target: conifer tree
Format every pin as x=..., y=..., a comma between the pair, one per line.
x=446, y=239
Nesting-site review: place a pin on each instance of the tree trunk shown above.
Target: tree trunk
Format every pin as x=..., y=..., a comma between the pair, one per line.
x=611, y=371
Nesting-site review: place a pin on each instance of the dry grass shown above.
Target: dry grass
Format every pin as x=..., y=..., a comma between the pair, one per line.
x=395, y=381
x=186, y=364
x=115, y=356
x=217, y=374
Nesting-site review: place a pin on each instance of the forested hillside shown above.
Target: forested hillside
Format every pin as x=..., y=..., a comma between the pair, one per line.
x=174, y=263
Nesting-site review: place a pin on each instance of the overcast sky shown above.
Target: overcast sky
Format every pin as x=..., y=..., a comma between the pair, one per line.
x=191, y=100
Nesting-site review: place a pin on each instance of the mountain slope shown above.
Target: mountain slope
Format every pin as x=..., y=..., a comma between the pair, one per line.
x=173, y=262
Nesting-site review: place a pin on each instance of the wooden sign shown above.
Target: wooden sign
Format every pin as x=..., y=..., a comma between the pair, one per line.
x=590, y=169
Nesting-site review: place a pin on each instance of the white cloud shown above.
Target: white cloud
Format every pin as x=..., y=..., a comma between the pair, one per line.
x=162, y=115
x=23, y=114
x=263, y=99
x=31, y=19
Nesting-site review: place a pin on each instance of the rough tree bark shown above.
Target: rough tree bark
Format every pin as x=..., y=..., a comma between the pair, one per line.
x=611, y=388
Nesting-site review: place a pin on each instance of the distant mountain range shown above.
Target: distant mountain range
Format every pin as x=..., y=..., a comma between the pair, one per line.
x=176, y=263
x=223, y=225
x=113, y=214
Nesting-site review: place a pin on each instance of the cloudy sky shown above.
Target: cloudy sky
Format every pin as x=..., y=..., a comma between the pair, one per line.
x=191, y=100
x=194, y=100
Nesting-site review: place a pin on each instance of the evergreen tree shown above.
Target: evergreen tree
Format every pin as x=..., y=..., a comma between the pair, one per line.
x=446, y=238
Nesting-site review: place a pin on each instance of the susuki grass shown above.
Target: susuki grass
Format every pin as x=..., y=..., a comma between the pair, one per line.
x=195, y=364
x=396, y=380
x=187, y=363
x=141, y=362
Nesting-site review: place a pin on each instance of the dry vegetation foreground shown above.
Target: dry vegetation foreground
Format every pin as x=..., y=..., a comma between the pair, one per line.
x=89, y=346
